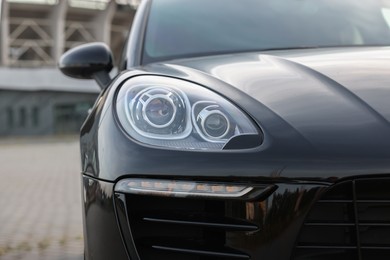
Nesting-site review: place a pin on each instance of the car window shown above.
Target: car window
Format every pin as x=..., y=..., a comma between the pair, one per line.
x=187, y=28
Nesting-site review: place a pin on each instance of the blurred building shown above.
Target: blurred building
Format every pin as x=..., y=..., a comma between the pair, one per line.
x=35, y=98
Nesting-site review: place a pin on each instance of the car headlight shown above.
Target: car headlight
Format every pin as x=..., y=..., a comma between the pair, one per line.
x=168, y=112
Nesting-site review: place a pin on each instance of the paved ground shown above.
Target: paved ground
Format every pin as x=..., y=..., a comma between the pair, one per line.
x=40, y=203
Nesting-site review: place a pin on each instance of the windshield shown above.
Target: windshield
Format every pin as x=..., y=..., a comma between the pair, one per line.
x=190, y=28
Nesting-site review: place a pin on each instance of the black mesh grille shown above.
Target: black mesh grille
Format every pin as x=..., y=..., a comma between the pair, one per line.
x=352, y=221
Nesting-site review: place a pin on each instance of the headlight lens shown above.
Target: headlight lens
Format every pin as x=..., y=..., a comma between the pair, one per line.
x=157, y=111
x=174, y=113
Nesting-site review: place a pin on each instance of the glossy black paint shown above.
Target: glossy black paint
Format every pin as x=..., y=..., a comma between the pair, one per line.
x=84, y=61
x=102, y=239
x=304, y=138
x=324, y=113
x=288, y=155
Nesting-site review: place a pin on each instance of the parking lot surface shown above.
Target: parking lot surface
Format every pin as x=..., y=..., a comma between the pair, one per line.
x=40, y=201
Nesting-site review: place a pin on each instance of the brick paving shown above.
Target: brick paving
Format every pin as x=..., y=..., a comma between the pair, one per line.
x=40, y=201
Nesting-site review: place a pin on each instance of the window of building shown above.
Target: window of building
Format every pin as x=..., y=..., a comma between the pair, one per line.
x=10, y=117
x=22, y=117
x=35, y=116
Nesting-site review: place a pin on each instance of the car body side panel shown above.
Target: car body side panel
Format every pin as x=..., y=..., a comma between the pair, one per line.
x=102, y=237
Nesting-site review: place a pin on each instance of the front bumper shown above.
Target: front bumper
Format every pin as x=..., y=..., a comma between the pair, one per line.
x=348, y=220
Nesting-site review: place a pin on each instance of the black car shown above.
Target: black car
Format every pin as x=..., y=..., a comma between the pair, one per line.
x=240, y=129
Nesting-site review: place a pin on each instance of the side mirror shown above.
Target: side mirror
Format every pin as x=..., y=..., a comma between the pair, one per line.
x=88, y=61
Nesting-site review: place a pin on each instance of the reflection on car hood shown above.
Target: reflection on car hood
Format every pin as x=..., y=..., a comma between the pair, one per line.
x=319, y=92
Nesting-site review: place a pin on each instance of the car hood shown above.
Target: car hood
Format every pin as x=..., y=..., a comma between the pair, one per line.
x=331, y=97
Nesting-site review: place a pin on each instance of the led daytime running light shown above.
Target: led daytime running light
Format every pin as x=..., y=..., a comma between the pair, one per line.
x=173, y=188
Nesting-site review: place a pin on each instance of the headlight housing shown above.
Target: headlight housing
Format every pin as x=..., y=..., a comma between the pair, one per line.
x=173, y=113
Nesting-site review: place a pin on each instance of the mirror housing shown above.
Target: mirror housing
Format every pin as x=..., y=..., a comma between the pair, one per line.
x=88, y=61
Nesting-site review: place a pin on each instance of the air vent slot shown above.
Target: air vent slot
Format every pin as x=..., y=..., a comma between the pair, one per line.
x=191, y=248
x=201, y=220
x=178, y=228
